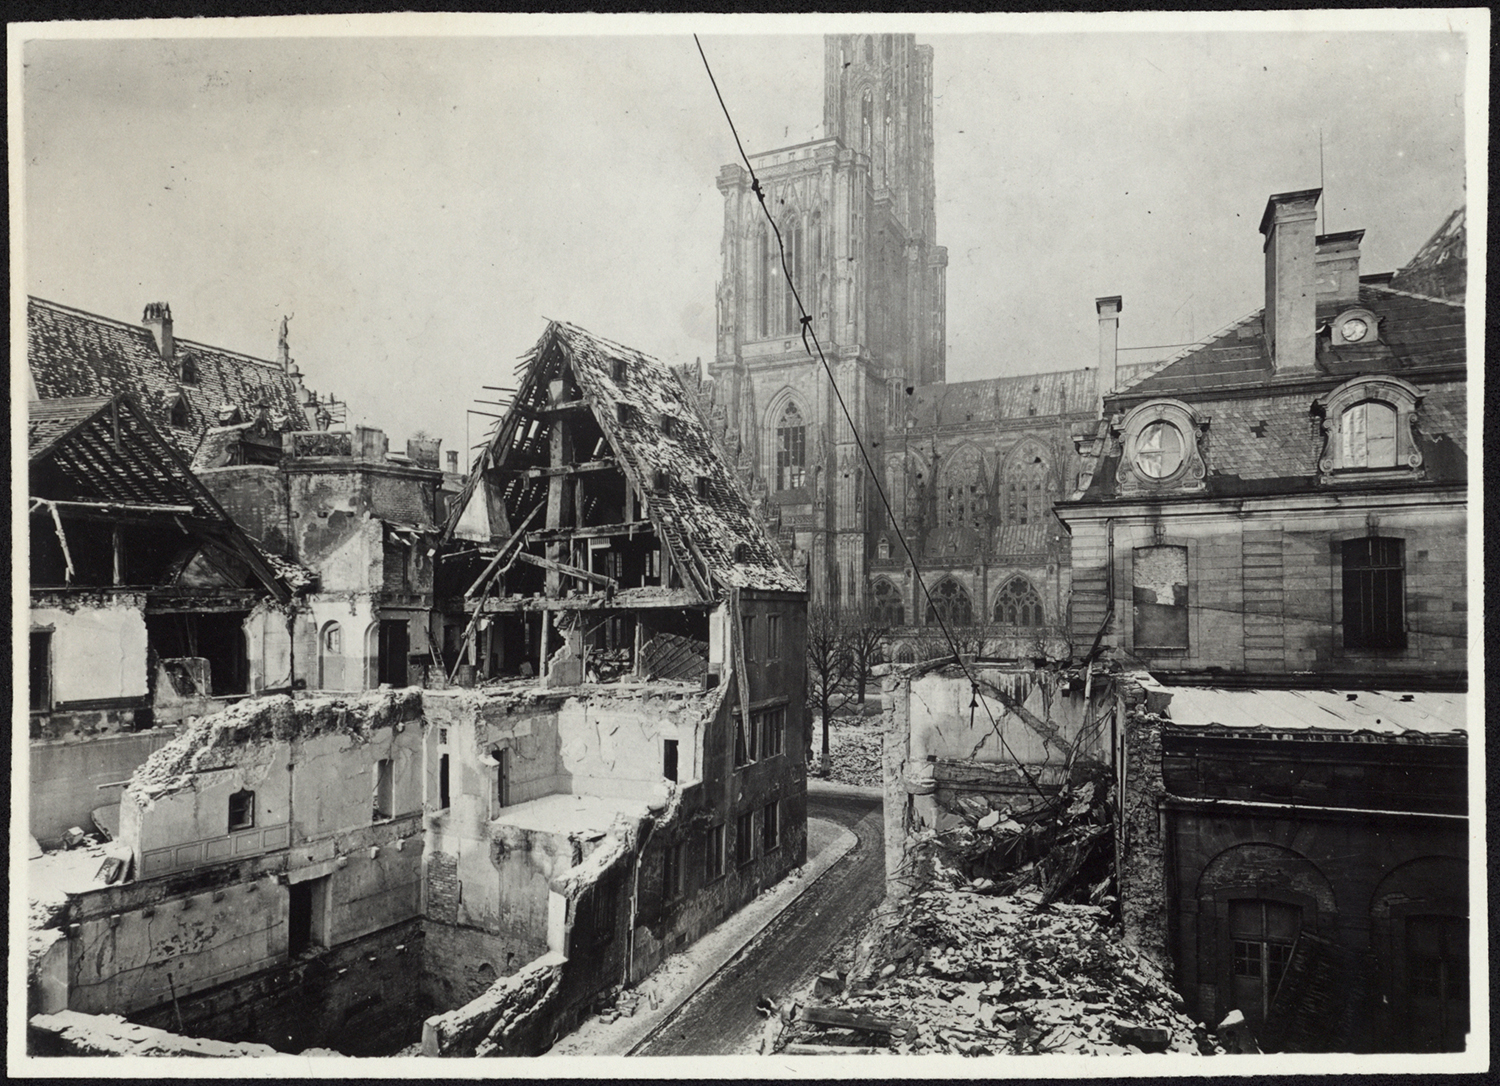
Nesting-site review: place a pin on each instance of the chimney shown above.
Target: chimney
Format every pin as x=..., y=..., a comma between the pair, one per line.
x=1291, y=253
x=158, y=320
x=1109, y=342
x=453, y=461
x=1338, y=267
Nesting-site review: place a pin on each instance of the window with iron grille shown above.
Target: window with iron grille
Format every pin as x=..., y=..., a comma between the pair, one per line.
x=1374, y=593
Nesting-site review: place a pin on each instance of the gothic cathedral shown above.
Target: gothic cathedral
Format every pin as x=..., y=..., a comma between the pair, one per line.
x=855, y=211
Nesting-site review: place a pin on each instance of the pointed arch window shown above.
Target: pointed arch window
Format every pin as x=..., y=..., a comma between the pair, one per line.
x=791, y=237
x=886, y=605
x=791, y=449
x=866, y=119
x=1027, y=494
x=951, y=602
x=763, y=281
x=1018, y=604
x=962, y=494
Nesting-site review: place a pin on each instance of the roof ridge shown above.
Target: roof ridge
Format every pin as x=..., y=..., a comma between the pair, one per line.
x=1156, y=368
x=181, y=340
x=1412, y=294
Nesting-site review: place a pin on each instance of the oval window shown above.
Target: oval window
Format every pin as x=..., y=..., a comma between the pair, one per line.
x=1158, y=450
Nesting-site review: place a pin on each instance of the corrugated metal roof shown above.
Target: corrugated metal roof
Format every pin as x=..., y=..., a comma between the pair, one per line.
x=1384, y=712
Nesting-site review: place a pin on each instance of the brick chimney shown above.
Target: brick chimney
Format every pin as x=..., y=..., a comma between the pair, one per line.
x=1338, y=267
x=158, y=320
x=1109, y=342
x=1291, y=253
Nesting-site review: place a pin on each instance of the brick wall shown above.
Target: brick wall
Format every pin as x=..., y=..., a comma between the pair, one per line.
x=255, y=497
x=442, y=887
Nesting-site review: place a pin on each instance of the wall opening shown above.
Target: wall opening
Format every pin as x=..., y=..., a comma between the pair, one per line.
x=395, y=646
x=307, y=915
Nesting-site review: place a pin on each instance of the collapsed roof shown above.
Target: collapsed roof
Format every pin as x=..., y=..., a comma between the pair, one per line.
x=654, y=437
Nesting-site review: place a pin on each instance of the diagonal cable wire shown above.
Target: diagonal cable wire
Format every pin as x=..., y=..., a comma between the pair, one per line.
x=809, y=331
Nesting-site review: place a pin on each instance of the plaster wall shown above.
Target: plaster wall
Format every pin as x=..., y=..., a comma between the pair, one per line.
x=68, y=779
x=270, y=649
x=98, y=649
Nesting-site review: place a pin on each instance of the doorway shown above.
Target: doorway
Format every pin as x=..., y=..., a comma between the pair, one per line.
x=394, y=648
x=307, y=915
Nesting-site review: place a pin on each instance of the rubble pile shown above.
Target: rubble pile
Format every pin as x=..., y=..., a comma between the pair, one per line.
x=1062, y=846
x=973, y=974
x=855, y=752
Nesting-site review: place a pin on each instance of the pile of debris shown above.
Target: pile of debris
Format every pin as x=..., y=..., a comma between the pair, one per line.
x=959, y=972
x=855, y=752
x=1061, y=845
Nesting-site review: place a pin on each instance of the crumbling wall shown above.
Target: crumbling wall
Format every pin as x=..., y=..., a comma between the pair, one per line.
x=269, y=630
x=98, y=645
x=1141, y=859
x=254, y=496
x=611, y=743
x=333, y=531
x=71, y=1033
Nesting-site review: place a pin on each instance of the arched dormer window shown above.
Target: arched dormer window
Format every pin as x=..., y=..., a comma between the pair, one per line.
x=885, y=603
x=791, y=449
x=951, y=602
x=1367, y=425
x=1018, y=604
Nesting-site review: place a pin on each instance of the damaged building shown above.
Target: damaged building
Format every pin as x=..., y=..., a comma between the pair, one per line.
x=471, y=870
x=1270, y=544
x=148, y=603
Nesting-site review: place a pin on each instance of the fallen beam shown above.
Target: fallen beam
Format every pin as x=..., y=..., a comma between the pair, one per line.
x=865, y=1023
x=570, y=571
x=830, y=1050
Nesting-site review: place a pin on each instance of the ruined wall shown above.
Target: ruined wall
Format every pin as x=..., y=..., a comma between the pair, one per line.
x=68, y=777
x=98, y=645
x=254, y=496
x=269, y=636
x=332, y=530
x=1140, y=850
x=611, y=744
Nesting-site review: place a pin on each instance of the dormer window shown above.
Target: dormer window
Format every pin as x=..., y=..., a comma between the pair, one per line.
x=663, y=480
x=703, y=486
x=1367, y=426
x=189, y=375
x=179, y=414
x=625, y=413
x=619, y=370
x=1159, y=448
x=668, y=426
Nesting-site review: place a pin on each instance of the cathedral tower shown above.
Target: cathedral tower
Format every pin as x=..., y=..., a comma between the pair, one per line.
x=855, y=210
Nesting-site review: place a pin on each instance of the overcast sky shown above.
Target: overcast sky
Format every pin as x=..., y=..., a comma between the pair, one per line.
x=420, y=205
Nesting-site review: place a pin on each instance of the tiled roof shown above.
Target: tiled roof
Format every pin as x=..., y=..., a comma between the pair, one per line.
x=1263, y=436
x=998, y=399
x=1415, y=333
x=700, y=531
x=106, y=451
x=72, y=353
x=1440, y=268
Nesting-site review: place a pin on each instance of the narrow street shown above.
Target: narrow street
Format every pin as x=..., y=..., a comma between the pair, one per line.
x=721, y=1019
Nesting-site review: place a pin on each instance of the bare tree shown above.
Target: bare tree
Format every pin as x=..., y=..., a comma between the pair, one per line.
x=829, y=668
x=867, y=634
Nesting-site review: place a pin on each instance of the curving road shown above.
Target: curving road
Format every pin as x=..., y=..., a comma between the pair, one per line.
x=721, y=1018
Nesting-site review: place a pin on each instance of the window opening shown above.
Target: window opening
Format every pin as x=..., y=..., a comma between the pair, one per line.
x=502, y=777
x=770, y=827
x=1374, y=593
x=713, y=853
x=241, y=810
x=1261, y=935
x=443, y=796
x=1367, y=432
x=791, y=449
x=41, y=671
x=1018, y=604
x=382, y=792
x=886, y=603
x=744, y=845
x=951, y=601
x=773, y=637
x=669, y=759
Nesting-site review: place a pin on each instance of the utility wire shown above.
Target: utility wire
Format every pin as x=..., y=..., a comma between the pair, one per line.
x=809, y=331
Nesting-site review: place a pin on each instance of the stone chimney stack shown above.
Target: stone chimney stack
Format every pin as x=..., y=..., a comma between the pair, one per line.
x=1291, y=273
x=1338, y=267
x=158, y=319
x=1109, y=343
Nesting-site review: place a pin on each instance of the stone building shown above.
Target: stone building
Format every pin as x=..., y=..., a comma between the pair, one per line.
x=1269, y=547
x=855, y=211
